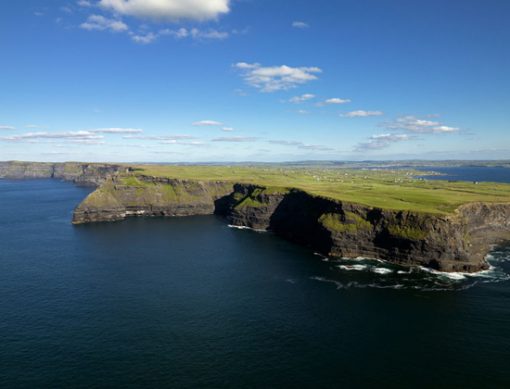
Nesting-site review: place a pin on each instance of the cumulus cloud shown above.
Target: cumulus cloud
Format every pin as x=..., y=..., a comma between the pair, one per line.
x=207, y=123
x=381, y=141
x=334, y=101
x=101, y=23
x=235, y=139
x=302, y=98
x=144, y=39
x=209, y=34
x=362, y=114
x=171, y=10
x=84, y=3
x=422, y=126
x=7, y=127
x=227, y=129
x=179, y=33
x=195, y=33
x=276, y=78
x=299, y=24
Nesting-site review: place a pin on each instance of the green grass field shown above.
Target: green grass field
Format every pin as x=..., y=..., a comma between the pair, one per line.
x=389, y=189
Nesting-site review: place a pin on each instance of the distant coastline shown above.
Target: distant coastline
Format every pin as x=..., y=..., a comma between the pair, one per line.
x=305, y=211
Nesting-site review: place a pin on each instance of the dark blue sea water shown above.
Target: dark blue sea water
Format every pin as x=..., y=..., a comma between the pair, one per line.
x=190, y=302
x=471, y=173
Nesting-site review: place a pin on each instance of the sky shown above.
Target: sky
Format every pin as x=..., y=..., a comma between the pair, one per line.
x=254, y=80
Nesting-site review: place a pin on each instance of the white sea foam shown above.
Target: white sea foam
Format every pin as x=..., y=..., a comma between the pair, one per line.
x=322, y=257
x=382, y=270
x=353, y=267
x=246, y=228
x=450, y=275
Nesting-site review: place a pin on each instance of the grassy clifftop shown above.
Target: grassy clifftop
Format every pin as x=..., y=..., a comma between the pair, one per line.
x=387, y=189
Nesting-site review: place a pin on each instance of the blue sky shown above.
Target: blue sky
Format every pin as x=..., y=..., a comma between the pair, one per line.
x=254, y=80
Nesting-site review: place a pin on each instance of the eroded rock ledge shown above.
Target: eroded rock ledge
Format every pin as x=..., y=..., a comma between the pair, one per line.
x=457, y=242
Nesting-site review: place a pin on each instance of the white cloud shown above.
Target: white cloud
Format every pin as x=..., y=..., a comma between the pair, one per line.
x=302, y=98
x=144, y=39
x=53, y=135
x=299, y=24
x=210, y=34
x=183, y=33
x=227, y=129
x=275, y=78
x=84, y=3
x=117, y=130
x=87, y=142
x=183, y=143
x=7, y=128
x=207, y=123
x=444, y=129
x=180, y=33
x=423, y=126
x=285, y=142
x=362, y=114
x=171, y=10
x=382, y=141
x=334, y=101
x=235, y=139
x=100, y=23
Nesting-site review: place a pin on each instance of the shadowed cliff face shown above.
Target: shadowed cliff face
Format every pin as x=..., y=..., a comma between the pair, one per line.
x=457, y=242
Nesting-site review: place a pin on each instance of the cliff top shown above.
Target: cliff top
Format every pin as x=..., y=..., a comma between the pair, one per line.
x=388, y=189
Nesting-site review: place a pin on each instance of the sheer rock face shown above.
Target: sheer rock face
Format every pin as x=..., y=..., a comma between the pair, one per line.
x=87, y=174
x=117, y=199
x=457, y=242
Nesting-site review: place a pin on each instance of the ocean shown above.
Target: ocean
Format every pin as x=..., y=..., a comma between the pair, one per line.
x=191, y=302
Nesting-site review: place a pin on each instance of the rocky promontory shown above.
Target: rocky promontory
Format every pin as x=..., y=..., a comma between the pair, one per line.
x=454, y=242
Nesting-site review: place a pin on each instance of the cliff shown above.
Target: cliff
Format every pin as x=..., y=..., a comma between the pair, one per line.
x=88, y=174
x=120, y=197
x=456, y=242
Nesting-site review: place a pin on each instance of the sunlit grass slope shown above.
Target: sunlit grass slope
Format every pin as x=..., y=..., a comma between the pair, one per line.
x=389, y=189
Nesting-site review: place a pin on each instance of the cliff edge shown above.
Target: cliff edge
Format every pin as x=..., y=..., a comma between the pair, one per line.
x=456, y=242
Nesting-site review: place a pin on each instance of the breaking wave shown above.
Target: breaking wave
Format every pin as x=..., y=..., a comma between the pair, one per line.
x=366, y=273
x=246, y=228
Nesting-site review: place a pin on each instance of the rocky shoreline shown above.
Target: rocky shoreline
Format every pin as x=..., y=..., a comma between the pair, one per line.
x=454, y=243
